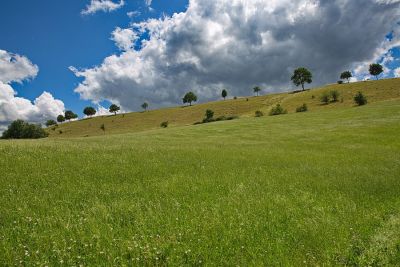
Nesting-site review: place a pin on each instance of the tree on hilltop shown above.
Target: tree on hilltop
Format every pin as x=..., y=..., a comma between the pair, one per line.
x=224, y=94
x=301, y=76
x=114, y=109
x=257, y=90
x=189, y=98
x=375, y=70
x=89, y=111
x=346, y=75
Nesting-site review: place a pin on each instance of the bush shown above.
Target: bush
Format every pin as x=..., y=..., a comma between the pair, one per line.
x=235, y=97
x=22, y=130
x=51, y=123
x=259, y=113
x=335, y=95
x=164, y=124
x=360, y=99
x=302, y=108
x=325, y=98
x=340, y=82
x=277, y=110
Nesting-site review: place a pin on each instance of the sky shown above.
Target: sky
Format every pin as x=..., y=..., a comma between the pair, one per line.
x=68, y=54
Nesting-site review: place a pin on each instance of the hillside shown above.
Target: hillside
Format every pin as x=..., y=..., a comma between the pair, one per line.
x=244, y=107
x=306, y=189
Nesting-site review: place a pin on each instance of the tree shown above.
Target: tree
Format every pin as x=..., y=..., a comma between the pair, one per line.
x=20, y=129
x=60, y=118
x=335, y=95
x=89, y=111
x=360, y=99
x=189, y=98
x=256, y=90
x=114, y=109
x=224, y=94
x=209, y=114
x=346, y=75
x=145, y=105
x=69, y=115
x=375, y=70
x=301, y=76
x=50, y=123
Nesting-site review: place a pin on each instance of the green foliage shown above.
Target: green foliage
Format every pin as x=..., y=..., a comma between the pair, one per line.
x=259, y=113
x=277, y=110
x=114, y=109
x=209, y=114
x=89, y=111
x=346, y=75
x=340, y=82
x=301, y=76
x=360, y=99
x=335, y=95
x=20, y=129
x=257, y=90
x=164, y=124
x=302, y=108
x=69, y=115
x=224, y=93
x=103, y=127
x=325, y=98
x=375, y=70
x=50, y=123
x=60, y=118
x=189, y=98
x=145, y=105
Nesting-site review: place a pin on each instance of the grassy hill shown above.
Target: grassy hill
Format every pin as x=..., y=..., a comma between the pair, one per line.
x=244, y=107
x=318, y=188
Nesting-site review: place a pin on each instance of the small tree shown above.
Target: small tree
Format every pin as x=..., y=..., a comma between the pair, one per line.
x=257, y=90
x=302, y=108
x=50, y=123
x=103, y=128
x=259, y=113
x=360, y=99
x=69, y=115
x=164, y=124
x=301, y=76
x=346, y=75
x=335, y=95
x=224, y=94
x=209, y=115
x=277, y=110
x=60, y=118
x=114, y=109
x=375, y=70
x=20, y=129
x=145, y=105
x=189, y=98
x=325, y=98
x=89, y=111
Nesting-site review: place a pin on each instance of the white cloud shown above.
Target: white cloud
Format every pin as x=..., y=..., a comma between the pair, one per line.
x=44, y=107
x=15, y=68
x=397, y=73
x=124, y=38
x=102, y=5
x=132, y=14
x=148, y=2
x=237, y=44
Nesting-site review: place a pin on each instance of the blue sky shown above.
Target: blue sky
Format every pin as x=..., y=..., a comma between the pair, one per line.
x=55, y=35
x=211, y=44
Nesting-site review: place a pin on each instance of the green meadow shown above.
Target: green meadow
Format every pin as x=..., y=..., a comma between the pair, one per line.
x=320, y=188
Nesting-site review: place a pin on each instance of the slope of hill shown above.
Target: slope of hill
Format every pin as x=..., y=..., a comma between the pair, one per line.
x=306, y=189
x=244, y=107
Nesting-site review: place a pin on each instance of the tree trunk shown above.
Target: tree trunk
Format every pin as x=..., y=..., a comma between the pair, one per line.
x=302, y=85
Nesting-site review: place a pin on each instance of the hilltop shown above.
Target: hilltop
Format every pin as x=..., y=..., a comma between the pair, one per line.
x=244, y=107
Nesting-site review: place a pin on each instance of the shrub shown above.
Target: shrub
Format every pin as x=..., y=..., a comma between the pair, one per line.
x=325, y=98
x=20, y=129
x=235, y=97
x=164, y=124
x=50, y=123
x=360, y=99
x=302, y=108
x=103, y=127
x=259, y=113
x=209, y=116
x=335, y=95
x=340, y=82
x=277, y=110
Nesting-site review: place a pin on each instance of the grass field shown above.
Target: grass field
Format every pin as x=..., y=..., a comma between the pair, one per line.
x=317, y=188
x=244, y=107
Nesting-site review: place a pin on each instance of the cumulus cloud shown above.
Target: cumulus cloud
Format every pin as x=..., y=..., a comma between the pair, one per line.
x=102, y=5
x=132, y=14
x=124, y=38
x=17, y=69
x=237, y=44
x=397, y=73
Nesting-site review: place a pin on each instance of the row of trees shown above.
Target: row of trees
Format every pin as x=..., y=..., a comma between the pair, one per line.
x=300, y=77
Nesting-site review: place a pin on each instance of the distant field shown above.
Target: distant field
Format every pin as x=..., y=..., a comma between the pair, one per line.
x=245, y=107
x=318, y=188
